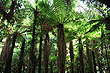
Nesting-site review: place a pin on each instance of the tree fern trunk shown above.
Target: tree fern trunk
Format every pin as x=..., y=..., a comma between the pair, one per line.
x=32, y=50
x=61, y=48
x=51, y=64
x=89, y=57
x=46, y=52
x=81, y=56
x=4, y=53
x=40, y=55
x=10, y=54
x=94, y=61
x=32, y=53
x=71, y=57
x=21, y=57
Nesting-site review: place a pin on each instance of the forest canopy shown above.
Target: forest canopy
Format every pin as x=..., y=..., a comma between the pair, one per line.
x=54, y=36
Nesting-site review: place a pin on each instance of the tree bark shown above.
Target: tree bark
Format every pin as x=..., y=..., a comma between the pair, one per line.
x=9, y=15
x=51, y=64
x=94, y=61
x=61, y=48
x=89, y=58
x=4, y=53
x=32, y=50
x=10, y=54
x=97, y=56
x=81, y=55
x=40, y=55
x=46, y=52
x=71, y=56
x=32, y=53
x=21, y=57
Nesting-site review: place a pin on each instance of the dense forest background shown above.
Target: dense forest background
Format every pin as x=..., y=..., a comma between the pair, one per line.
x=54, y=36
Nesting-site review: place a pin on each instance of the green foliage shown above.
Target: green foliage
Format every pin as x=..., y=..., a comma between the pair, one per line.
x=86, y=25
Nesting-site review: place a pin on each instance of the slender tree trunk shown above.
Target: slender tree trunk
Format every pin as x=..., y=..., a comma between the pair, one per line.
x=40, y=55
x=71, y=56
x=46, y=52
x=61, y=48
x=94, y=61
x=32, y=53
x=81, y=56
x=32, y=50
x=10, y=54
x=51, y=64
x=4, y=53
x=89, y=57
x=97, y=56
x=21, y=57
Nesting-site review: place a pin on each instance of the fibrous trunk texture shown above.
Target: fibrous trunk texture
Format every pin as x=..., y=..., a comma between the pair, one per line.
x=46, y=52
x=32, y=50
x=98, y=57
x=10, y=54
x=21, y=57
x=4, y=53
x=71, y=56
x=89, y=58
x=51, y=67
x=40, y=55
x=81, y=56
x=94, y=61
x=61, y=48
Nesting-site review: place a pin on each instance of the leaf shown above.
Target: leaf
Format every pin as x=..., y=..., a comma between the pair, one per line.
x=94, y=27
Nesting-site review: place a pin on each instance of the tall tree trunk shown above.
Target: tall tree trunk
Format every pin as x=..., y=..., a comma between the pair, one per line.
x=4, y=53
x=61, y=48
x=81, y=55
x=51, y=64
x=97, y=56
x=40, y=55
x=32, y=50
x=21, y=57
x=32, y=53
x=46, y=52
x=71, y=56
x=94, y=61
x=10, y=54
x=89, y=58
